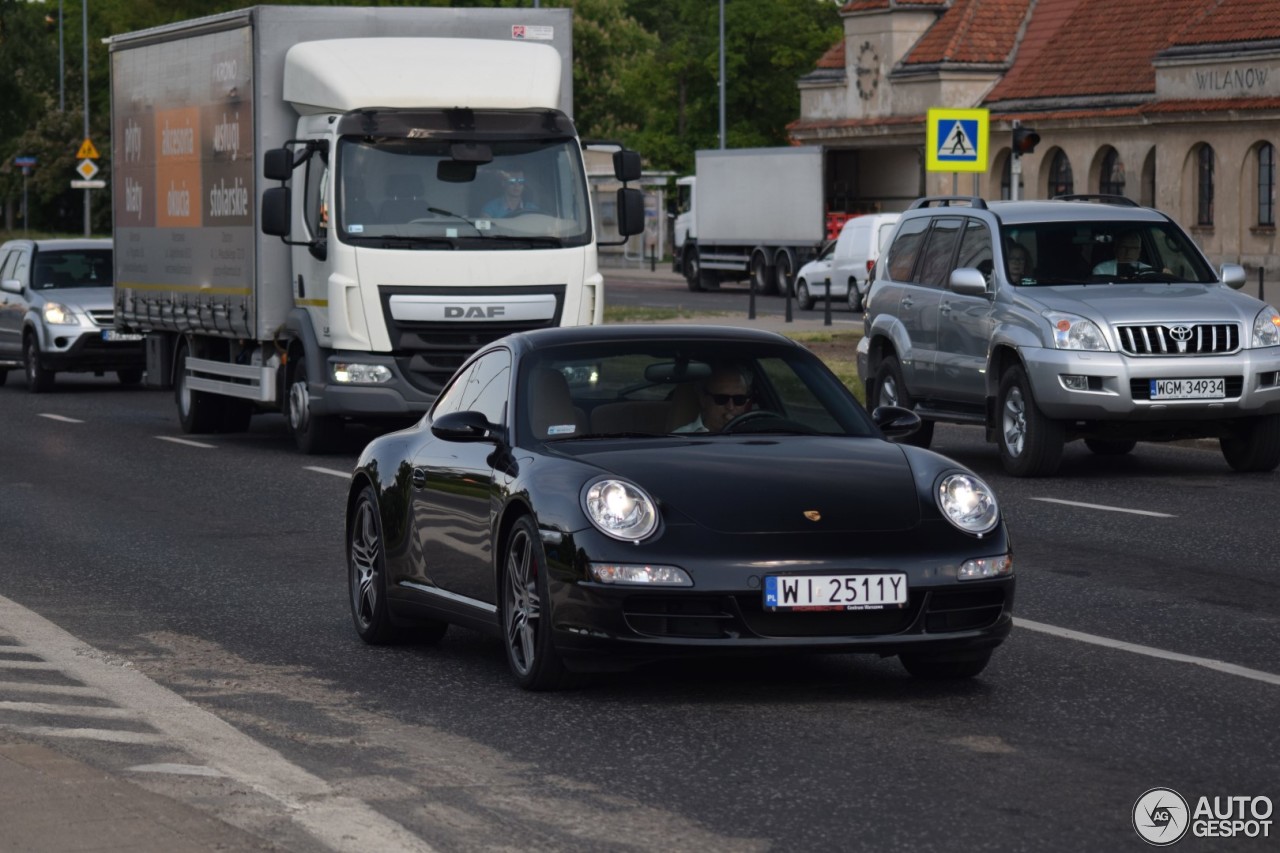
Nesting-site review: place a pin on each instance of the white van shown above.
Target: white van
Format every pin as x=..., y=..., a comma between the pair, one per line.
x=858, y=248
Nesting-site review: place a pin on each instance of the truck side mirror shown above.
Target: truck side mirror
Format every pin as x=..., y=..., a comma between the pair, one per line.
x=277, y=164
x=630, y=211
x=275, y=210
x=626, y=165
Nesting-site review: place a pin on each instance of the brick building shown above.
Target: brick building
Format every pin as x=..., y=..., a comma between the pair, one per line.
x=1173, y=103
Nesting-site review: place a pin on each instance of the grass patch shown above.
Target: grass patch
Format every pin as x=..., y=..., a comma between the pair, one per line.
x=642, y=314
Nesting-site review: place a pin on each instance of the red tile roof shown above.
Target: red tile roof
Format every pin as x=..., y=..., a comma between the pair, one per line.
x=1232, y=21
x=834, y=57
x=972, y=31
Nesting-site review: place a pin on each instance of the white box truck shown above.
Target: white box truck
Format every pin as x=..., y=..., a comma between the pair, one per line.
x=757, y=213
x=323, y=211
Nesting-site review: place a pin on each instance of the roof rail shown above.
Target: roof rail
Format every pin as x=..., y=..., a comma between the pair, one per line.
x=1104, y=198
x=948, y=201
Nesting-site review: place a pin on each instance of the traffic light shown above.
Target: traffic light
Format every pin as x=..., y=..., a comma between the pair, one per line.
x=1025, y=140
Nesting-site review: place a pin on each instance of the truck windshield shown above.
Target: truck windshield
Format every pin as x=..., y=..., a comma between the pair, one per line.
x=1101, y=251
x=410, y=192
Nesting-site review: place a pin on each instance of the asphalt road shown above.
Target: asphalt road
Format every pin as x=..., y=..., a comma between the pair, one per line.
x=217, y=572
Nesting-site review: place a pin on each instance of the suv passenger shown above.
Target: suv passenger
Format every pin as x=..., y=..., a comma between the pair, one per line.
x=1113, y=328
x=56, y=313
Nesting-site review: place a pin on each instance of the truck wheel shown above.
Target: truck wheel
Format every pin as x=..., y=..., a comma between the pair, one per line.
x=197, y=410
x=783, y=273
x=39, y=378
x=854, y=297
x=693, y=271
x=804, y=299
x=1254, y=445
x=132, y=376
x=891, y=390
x=313, y=435
x=1030, y=443
x=762, y=275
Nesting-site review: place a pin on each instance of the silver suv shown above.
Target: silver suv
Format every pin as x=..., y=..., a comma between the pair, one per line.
x=56, y=313
x=1084, y=317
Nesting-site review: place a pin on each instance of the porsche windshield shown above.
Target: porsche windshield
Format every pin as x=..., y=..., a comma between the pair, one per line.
x=637, y=389
x=516, y=194
x=1102, y=251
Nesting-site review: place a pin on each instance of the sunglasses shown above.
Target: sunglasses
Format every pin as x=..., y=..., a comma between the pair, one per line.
x=726, y=399
x=515, y=180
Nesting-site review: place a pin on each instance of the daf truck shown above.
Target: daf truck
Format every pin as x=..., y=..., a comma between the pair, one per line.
x=322, y=211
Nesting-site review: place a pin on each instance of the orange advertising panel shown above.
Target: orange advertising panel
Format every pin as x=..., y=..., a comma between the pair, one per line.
x=178, y=185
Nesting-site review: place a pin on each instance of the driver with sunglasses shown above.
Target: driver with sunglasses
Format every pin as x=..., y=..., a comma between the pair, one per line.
x=723, y=396
x=512, y=201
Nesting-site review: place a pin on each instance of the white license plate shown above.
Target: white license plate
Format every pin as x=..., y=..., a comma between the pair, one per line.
x=834, y=592
x=1188, y=389
x=111, y=335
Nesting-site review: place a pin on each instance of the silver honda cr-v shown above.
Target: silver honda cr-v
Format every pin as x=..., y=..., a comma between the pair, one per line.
x=1086, y=317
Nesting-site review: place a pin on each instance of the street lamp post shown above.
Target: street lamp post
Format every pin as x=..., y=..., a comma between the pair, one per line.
x=84, y=37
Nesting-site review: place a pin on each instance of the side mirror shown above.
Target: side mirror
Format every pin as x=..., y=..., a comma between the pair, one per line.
x=1233, y=276
x=968, y=281
x=12, y=285
x=463, y=426
x=277, y=164
x=895, y=421
x=626, y=165
x=630, y=211
x=275, y=211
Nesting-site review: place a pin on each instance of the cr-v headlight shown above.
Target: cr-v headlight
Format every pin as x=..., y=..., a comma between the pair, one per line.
x=968, y=503
x=1071, y=331
x=1266, y=328
x=57, y=314
x=620, y=509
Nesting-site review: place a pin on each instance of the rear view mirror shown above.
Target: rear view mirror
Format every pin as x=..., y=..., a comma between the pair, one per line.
x=626, y=165
x=895, y=421
x=1233, y=276
x=968, y=282
x=275, y=211
x=462, y=426
x=455, y=171
x=277, y=164
x=630, y=211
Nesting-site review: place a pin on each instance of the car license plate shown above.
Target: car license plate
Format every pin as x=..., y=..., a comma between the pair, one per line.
x=835, y=592
x=112, y=335
x=1188, y=389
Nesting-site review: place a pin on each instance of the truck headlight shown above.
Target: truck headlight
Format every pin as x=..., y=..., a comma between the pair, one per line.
x=1266, y=328
x=1071, y=331
x=620, y=509
x=361, y=374
x=57, y=314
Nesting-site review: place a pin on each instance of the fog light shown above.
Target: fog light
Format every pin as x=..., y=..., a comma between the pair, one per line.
x=986, y=567
x=640, y=574
x=361, y=374
x=1074, y=382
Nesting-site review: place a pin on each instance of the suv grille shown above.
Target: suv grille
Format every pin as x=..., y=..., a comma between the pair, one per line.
x=1180, y=339
x=103, y=317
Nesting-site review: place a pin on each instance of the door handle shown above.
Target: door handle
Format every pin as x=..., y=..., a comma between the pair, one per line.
x=419, y=478
x=945, y=308
x=906, y=302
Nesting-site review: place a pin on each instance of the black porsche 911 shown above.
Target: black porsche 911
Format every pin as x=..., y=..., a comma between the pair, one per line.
x=601, y=497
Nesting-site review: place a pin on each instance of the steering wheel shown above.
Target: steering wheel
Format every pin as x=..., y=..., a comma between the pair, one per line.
x=747, y=417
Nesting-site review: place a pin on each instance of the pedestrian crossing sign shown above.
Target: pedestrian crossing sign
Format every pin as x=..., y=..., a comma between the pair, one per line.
x=956, y=141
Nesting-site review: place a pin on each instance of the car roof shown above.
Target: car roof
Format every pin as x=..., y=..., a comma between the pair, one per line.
x=65, y=243
x=554, y=337
x=1048, y=210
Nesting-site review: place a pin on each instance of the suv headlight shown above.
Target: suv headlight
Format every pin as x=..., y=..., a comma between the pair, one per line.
x=620, y=509
x=968, y=503
x=1266, y=328
x=1071, y=331
x=57, y=314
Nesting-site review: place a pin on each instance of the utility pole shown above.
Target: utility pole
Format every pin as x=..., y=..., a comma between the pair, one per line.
x=84, y=36
x=722, y=75
x=62, y=66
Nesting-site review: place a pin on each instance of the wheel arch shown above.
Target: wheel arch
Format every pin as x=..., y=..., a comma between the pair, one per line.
x=515, y=509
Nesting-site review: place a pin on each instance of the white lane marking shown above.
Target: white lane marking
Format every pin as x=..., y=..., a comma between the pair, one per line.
x=338, y=821
x=1149, y=651
x=69, y=710
x=186, y=441
x=52, y=689
x=107, y=735
x=1106, y=508
x=346, y=475
x=27, y=664
x=63, y=418
x=176, y=769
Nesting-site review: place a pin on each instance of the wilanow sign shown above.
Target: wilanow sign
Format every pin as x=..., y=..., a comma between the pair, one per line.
x=1219, y=78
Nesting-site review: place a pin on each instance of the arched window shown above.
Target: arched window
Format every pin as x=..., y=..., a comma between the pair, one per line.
x=1060, y=179
x=1148, y=185
x=1006, y=178
x=1267, y=184
x=1111, y=179
x=1204, y=185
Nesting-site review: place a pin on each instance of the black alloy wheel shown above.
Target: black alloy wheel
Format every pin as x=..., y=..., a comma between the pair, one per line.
x=526, y=612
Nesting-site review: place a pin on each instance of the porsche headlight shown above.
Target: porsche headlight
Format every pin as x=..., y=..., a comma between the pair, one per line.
x=1266, y=328
x=968, y=503
x=1071, y=331
x=57, y=314
x=620, y=509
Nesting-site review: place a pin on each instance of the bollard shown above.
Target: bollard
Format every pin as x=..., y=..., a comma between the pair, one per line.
x=751, y=299
x=787, y=295
x=653, y=258
x=1260, y=272
x=826, y=309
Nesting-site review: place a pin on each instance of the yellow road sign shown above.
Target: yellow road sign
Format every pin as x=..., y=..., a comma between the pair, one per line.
x=87, y=151
x=87, y=169
x=956, y=140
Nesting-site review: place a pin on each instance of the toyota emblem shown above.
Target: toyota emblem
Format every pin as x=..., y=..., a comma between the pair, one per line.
x=1180, y=333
